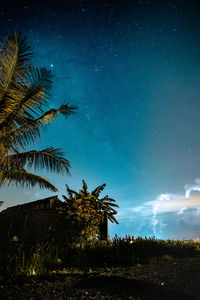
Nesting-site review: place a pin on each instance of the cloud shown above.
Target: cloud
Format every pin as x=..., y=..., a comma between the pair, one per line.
x=190, y=188
x=185, y=206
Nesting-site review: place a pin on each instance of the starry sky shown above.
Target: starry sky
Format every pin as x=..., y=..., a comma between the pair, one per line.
x=133, y=69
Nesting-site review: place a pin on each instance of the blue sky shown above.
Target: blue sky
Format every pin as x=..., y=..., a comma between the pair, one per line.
x=133, y=69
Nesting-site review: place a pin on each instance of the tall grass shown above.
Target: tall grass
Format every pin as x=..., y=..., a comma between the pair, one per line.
x=17, y=259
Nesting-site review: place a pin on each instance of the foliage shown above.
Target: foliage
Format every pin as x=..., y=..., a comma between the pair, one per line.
x=17, y=260
x=85, y=211
x=24, y=95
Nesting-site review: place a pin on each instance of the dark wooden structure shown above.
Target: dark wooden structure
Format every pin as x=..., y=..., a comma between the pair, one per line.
x=30, y=222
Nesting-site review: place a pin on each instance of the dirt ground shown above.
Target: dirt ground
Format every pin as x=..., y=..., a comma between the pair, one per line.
x=161, y=279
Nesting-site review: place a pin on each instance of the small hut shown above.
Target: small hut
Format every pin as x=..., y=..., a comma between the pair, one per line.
x=30, y=222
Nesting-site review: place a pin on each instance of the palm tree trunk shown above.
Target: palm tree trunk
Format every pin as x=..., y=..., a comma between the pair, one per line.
x=103, y=228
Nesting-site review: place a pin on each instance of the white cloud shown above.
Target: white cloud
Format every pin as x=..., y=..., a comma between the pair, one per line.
x=185, y=206
x=193, y=187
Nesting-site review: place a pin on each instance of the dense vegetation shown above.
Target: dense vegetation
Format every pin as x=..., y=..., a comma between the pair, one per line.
x=83, y=213
x=18, y=260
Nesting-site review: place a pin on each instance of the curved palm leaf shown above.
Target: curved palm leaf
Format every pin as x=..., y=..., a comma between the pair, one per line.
x=14, y=61
x=29, y=132
x=23, y=178
x=98, y=190
x=51, y=159
x=71, y=192
x=31, y=98
x=84, y=192
x=112, y=219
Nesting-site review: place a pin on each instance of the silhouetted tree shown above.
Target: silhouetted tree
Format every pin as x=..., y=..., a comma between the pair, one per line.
x=86, y=211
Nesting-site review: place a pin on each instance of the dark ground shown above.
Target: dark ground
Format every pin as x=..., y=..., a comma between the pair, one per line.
x=161, y=279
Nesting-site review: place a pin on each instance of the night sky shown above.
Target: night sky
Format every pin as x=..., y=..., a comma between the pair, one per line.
x=133, y=69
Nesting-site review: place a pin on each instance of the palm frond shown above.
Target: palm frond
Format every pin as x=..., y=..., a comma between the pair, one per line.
x=69, y=192
x=108, y=209
x=51, y=159
x=29, y=132
x=23, y=178
x=64, y=109
x=14, y=62
x=40, y=77
x=67, y=110
x=19, y=138
x=111, y=204
x=84, y=191
x=65, y=198
x=72, y=192
x=32, y=99
x=15, y=58
x=109, y=199
x=112, y=219
x=98, y=190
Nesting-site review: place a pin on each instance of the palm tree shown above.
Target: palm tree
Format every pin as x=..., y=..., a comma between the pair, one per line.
x=89, y=207
x=24, y=95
